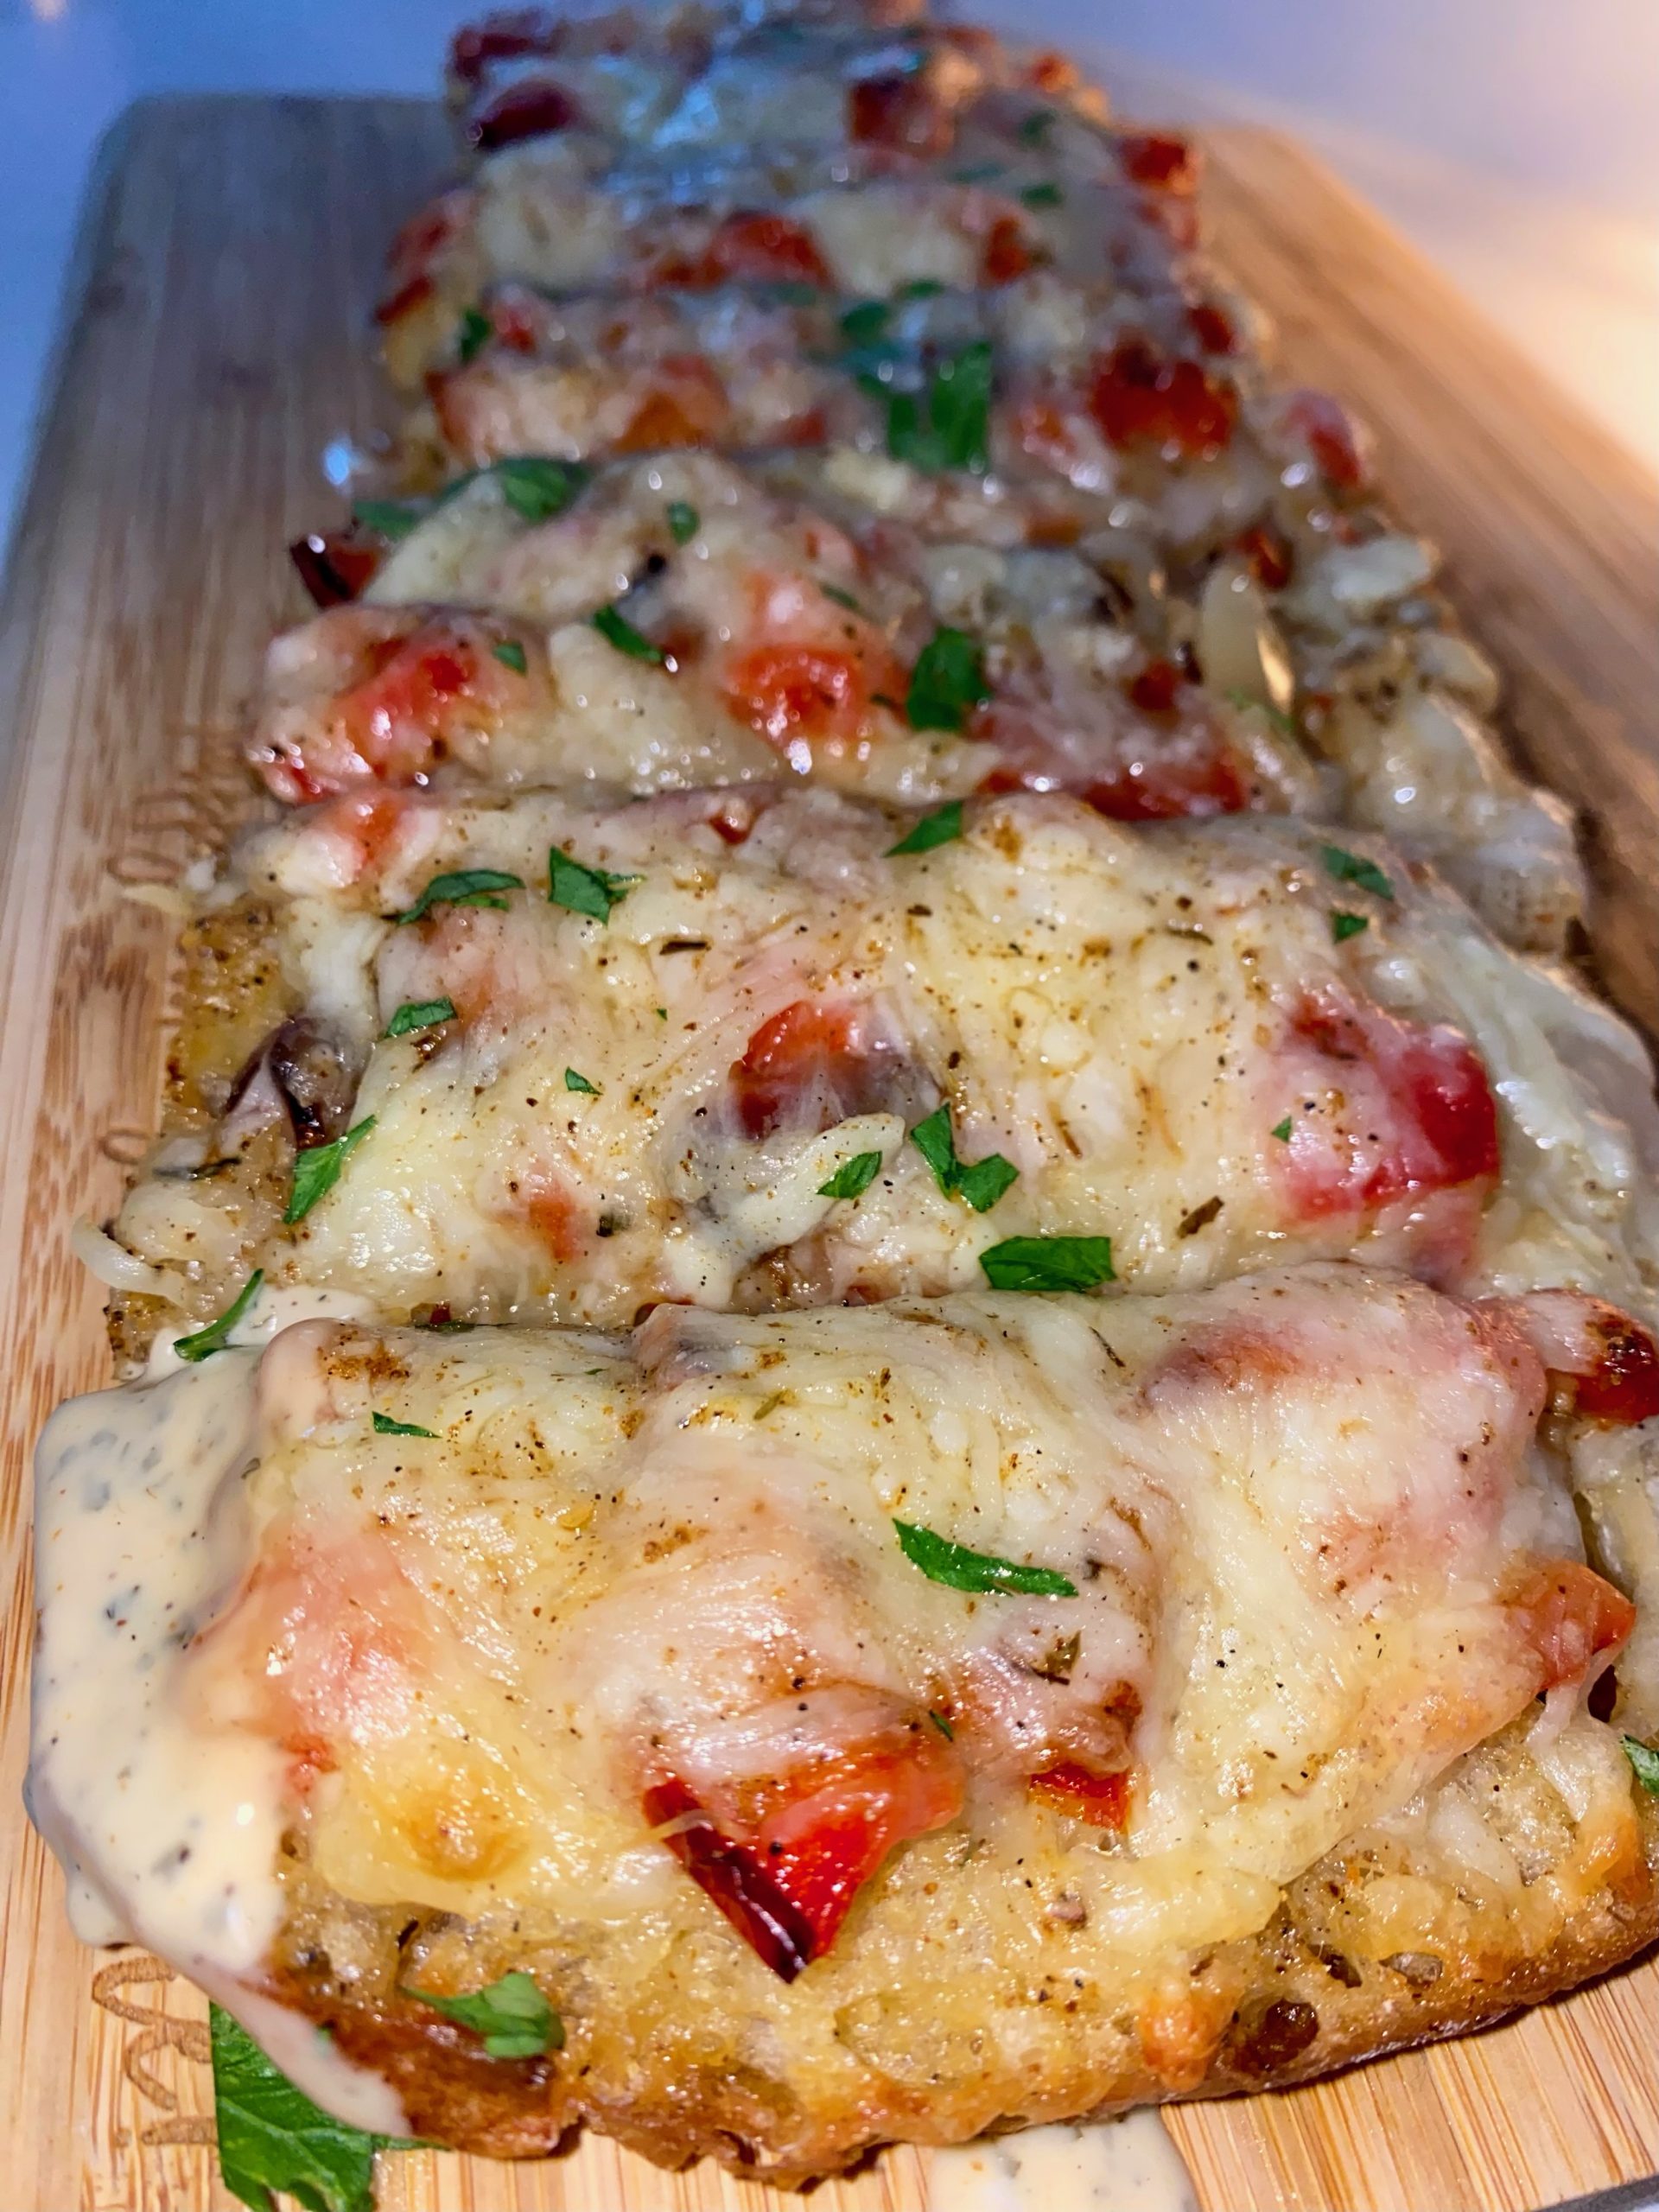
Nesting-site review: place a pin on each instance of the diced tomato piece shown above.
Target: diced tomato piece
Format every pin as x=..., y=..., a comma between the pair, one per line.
x=555, y=1212
x=1213, y=327
x=414, y=680
x=390, y=704
x=1570, y=1617
x=1167, y=769
x=788, y=1886
x=516, y=318
x=1051, y=72
x=1332, y=436
x=1267, y=555
x=788, y=690
x=688, y=408
x=1153, y=690
x=1160, y=159
x=1400, y=1109
x=1137, y=397
x=1008, y=251
x=809, y=427
x=507, y=35
x=528, y=111
x=761, y=249
x=1102, y=1800
x=334, y=565
x=322, y=1641
x=901, y=113
x=1185, y=786
x=367, y=826
x=810, y=1053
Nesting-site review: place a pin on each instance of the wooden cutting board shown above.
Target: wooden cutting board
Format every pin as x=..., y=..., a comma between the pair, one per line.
x=230, y=252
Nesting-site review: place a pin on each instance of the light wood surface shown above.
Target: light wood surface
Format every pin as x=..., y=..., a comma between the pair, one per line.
x=232, y=249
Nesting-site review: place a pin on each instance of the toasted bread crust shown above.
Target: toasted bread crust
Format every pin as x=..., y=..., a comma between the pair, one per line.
x=1269, y=2011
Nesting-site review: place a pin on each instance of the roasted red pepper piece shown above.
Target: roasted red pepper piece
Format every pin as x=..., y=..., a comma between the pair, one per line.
x=526, y=111
x=778, y=1933
x=335, y=565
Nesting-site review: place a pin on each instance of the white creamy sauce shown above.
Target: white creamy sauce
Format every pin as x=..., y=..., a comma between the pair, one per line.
x=140, y=1534
x=1117, y=2165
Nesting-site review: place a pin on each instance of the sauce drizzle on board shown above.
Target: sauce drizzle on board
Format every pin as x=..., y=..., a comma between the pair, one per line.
x=1128, y=2165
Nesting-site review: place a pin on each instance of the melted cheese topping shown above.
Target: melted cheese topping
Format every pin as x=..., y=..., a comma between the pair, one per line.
x=782, y=636
x=1155, y=1029
x=1301, y=1517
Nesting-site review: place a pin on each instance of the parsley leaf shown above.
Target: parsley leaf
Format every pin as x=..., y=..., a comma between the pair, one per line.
x=942, y=827
x=462, y=886
x=514, y=2018
x=1037, y=125
x=1048, y=1263
x=1644, y=1763
x=216, y=1335
x=588, y=891
x=1342, y=926
x=942, y=1724
x=538, y=488
x=841, y=598
x=420, y=1014
x=271, y=2136
x=941, y=1560
x=1353, y=867
x=683, y=521
x=575, y=1081
x=317, y=1169
x=473, y=334
x=948, y=424
x=866, y=321
x=392, y=518
x=852, y=1177
x=616, y=629
x=920, y=288
x=1281, y=1130
x=982, y=1182
x=510, y=654
x=384, y=1425
x=1042, y=195
x=947, y=683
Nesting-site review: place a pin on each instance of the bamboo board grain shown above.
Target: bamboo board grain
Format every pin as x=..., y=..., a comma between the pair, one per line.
x=220, y=343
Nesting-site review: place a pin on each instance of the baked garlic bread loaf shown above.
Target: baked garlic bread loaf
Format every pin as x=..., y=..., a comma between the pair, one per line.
x=888, y=1362
x=549, y=1058
x=853, y=1723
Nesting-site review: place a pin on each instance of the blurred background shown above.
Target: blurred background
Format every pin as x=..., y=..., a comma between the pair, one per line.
x=1515, y=141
